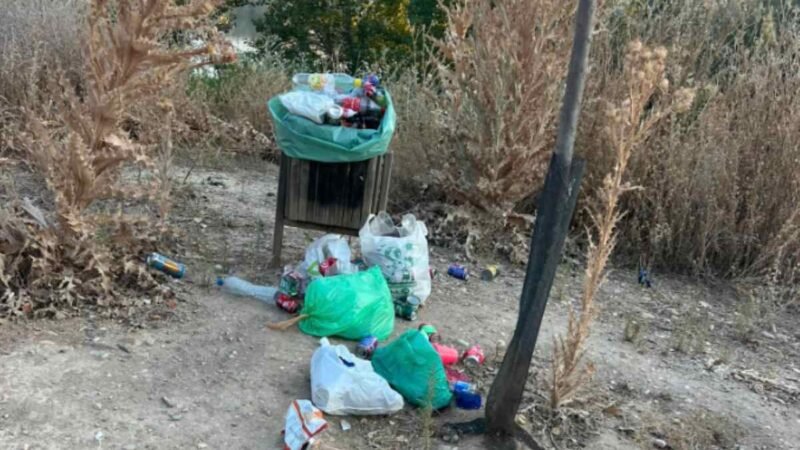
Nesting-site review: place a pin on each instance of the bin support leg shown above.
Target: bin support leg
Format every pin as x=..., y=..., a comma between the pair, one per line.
x=277, y=235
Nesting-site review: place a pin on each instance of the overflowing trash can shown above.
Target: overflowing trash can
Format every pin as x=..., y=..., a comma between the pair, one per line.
x=333, y=132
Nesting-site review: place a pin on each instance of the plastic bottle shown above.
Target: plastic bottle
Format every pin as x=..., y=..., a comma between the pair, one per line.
x=238, y=286
x=327, y=82
x=449, y=355
x=362, y=105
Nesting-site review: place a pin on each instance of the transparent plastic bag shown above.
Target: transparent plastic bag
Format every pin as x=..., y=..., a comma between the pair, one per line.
x=328, y=246
x=343, y=384
x=311, y=105
x=400, y=251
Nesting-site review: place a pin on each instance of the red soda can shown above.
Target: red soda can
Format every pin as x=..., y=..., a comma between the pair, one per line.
x=474, y=356
x=326, y=266
x=287, y=303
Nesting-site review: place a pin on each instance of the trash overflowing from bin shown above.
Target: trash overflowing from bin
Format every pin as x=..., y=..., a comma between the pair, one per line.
x=337, y=99
x=333, y=117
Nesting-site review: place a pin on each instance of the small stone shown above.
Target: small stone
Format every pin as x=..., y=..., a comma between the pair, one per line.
x=659, y=443
x=98, y=406
x=124, y=348
x=169, y=403
x=202, y=445
x=175, y=417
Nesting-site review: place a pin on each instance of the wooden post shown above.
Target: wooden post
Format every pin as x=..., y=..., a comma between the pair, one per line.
x=552, y=222
x=280, y=215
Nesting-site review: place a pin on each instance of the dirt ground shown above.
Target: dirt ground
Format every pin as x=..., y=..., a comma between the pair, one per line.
x=211, y=375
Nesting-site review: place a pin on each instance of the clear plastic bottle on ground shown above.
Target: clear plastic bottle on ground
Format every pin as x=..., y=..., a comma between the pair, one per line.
x=238, y=286
x=331, y=83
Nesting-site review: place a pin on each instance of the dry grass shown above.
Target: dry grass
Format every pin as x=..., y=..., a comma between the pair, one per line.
x=630, y=123
x=501, y=65
x=92, y=245
x=37, y=37
x=720, y=194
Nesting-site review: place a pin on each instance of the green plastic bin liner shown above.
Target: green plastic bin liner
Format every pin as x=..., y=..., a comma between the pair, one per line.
x=300, y=138
x=413, y=368
x=350, y=306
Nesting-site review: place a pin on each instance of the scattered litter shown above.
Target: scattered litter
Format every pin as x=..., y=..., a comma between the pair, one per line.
x=407, y=307
x=166, y=265
x=99, y=436
x=448, y=355
x=343, y=384
x=454, y=375
x=659, y=443
x=175, y=417
x=287, y=303
x=124, y=348
x=345, y=425
x=366, y=347
x=474, y=356
x=243, y=288
x=644, y=278
x=304, y=424
x=467, y=396
x=458, y=271
x=169, y=403
x=490, y=273
x=430, y=332
x=413, y=368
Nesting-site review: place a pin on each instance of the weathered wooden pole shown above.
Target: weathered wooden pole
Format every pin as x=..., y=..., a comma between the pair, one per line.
x=552, y=222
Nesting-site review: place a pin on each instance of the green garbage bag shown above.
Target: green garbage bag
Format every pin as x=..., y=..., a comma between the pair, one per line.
x=413, y=368
x=349, y=306
x=300, y=138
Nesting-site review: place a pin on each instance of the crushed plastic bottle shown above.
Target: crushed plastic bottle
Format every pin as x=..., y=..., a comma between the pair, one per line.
x=331, y=83
x=240, y=287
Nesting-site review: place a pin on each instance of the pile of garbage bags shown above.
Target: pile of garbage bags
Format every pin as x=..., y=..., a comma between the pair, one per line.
x=331, y=294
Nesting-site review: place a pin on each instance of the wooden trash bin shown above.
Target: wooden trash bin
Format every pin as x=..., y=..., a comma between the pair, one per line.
x=331, y=197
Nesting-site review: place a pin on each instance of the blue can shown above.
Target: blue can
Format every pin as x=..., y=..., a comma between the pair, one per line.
x=366, y=347
x=466, y=396
x=458, y=271
x=166, y=265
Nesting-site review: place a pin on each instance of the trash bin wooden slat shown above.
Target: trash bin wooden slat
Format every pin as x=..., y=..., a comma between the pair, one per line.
x=331, y=197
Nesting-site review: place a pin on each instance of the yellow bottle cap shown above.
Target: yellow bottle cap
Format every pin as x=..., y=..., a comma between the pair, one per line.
x=357, y=82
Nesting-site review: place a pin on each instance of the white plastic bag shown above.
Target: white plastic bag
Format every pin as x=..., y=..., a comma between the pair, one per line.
x=400, y=251
x=342, y=384
x=303, y=425
x=311, y=105
x=330, y=245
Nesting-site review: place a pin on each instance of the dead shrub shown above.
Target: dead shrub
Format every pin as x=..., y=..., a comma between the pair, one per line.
x=644, y=101
x=91, y=246
x=500, y=66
